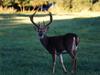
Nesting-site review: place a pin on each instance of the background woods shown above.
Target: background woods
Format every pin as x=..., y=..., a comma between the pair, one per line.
x=41, y=5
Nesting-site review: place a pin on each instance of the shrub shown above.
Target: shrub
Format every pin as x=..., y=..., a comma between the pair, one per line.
x=96, y=6
x=7, y=10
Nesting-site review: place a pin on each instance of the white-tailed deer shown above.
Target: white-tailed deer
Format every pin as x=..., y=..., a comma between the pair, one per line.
x=57, y=45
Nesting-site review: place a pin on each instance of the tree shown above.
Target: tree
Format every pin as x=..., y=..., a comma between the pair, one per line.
x=1, y=2
x=22, y=3
x=94, y=1
x=6, y=3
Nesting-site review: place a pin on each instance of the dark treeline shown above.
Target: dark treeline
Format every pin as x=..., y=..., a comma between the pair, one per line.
x=42, y=5
x=21, y=5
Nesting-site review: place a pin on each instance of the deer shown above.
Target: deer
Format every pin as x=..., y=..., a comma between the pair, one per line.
x=57, y=45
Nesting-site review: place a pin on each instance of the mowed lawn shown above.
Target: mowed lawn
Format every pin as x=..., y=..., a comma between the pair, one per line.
x=21, y=53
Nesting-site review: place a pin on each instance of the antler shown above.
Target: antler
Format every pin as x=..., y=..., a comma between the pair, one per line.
x=32, y=20
x=50, y=19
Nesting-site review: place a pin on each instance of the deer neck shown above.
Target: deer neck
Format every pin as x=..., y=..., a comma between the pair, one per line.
x=44, y=40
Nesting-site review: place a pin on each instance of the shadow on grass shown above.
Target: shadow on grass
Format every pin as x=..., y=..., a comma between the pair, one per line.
x=13, y=15
x=20, y=15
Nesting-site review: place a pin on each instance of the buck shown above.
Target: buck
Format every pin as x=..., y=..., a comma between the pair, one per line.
x=57, y=45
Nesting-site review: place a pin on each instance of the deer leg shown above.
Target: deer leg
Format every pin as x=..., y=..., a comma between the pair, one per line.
x=73, y=55
x=54, y=61
x=61, y=60
x=74, y=64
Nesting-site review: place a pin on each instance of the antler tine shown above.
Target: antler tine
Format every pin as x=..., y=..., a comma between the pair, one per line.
x=50, y=19
x=32, y=20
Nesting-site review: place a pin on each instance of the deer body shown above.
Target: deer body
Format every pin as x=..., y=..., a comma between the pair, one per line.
x=57, y=45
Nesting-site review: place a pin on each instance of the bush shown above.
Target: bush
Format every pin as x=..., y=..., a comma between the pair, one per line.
x=79, y=5
x=7, y=10
x=96, y=6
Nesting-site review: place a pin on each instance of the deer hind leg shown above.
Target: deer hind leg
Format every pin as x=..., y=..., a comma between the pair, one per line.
x=54, y=61
x=61, y=60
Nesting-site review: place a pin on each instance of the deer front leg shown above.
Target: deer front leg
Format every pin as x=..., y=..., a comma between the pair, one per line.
x=61, y=60
x=54, y=61
x=74, y=64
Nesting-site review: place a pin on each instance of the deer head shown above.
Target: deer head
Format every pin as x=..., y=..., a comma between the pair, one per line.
x=41, y=28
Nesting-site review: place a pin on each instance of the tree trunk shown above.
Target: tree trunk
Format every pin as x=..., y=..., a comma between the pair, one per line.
x=70, y=6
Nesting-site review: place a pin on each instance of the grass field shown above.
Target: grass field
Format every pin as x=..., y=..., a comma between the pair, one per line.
x=21, y=53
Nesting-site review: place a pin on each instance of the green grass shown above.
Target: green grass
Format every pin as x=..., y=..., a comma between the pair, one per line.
x=21, y=53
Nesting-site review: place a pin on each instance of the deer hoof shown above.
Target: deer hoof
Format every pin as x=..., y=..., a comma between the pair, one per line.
x=65, y=71
x=73, y=72
x=53, y=73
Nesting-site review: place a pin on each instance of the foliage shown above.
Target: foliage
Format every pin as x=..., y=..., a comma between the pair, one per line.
x=7, y=10
x=70, y=5
x=96, y=6
x=22, y=3
x=79, y=5
x=6, y=3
